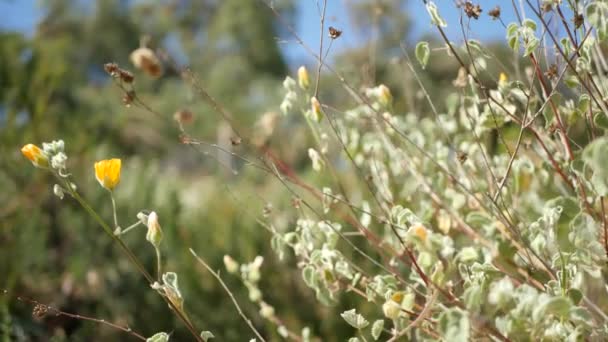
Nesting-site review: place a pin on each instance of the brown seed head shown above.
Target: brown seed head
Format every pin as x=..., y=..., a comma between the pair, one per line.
x=111, y=69
x=494, y=12
x=472, y=11
x=578, y=20
x=128, y=98
x=126, y=76
x=183, y=116
x=40, y=310
x=334, y=33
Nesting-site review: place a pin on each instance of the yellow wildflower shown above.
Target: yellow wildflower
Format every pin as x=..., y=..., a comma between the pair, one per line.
x=35, y=155
x=107, y=173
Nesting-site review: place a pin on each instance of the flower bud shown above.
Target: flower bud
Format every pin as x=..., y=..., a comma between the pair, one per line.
x=266, y=311
x=35, y=155
x=303, y=80
x=58, y=191
x=231, y=265
x=385, y=95
x=155, y=234
x=316, y=109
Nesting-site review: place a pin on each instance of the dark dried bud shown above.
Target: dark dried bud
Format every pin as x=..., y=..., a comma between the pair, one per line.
x=472, y=11
x=547, y=7
x=40, y=310
x=462, y=156
x=111, y=68
x=494, y=12
x=578, y=20
x=296, y=202
x=126, y=76
x=551, y=73
x=334, y=33
x=128, y=98
x=552, y=128
x=183, y=116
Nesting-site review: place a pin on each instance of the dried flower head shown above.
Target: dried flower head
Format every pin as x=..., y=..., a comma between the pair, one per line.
x=334, y=33
x=40, y=310
x=472, y=11
x=146, y=60
x=126, y=76
x=111, y=69
x=494, y=13
x=578, y=20
x=107, y=173
x=551, y=73
x=128, y=98
x=183, y=116
x=461, y=156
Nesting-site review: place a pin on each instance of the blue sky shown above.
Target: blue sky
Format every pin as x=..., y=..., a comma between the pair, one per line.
x=22, y=15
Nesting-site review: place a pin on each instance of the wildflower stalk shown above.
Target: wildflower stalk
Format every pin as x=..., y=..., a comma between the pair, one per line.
x=116, y=227
x=236, y=304
x=124, y=231
x=134, y=260
x=158, y=264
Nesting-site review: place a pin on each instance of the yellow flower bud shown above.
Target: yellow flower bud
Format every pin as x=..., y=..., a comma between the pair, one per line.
x=397, y=297
x=35, y=155
x=107, y=173
x=155, y=233
x=303, y=80
x=385, y=95
x=502, y=78
x=316, y=109
x=419, y=231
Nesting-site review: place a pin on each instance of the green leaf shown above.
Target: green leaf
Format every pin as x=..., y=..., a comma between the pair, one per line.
x=531, y=24
x=556, y=306
x=354, y=319
x=575, y=295
x=310, y=276
x=377, y=329
x=571, y=81
x=531, y=45
x=454, y=325
x=422, y=53
x=436, y=19
x=600, y=119
x=594, y=156
x=206, y=335
x=158, y=337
